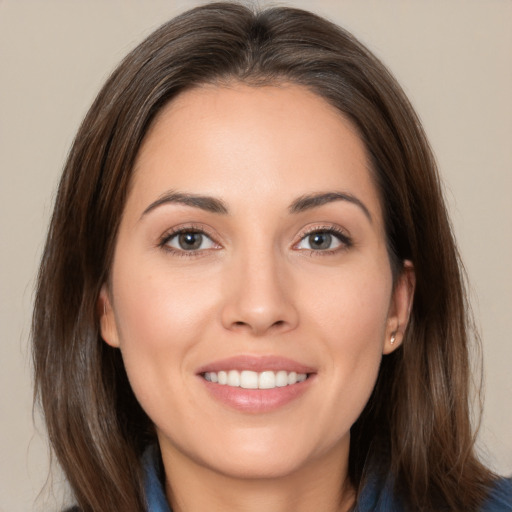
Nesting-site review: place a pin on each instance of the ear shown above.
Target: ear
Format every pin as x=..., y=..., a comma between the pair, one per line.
x=400, y=308
x=108, y=328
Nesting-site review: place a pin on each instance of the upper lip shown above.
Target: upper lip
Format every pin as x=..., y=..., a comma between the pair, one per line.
x=256, y=364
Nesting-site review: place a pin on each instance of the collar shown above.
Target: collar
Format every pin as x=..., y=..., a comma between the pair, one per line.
x=155, y=495
x=376, y=496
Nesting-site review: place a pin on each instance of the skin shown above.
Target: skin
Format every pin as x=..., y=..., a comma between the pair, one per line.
x=254, y=287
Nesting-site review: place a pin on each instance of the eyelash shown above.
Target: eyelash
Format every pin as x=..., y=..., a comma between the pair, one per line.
x=343, y=238
x=192, y=229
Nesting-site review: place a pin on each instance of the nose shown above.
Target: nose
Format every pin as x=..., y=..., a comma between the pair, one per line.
x=259, y=296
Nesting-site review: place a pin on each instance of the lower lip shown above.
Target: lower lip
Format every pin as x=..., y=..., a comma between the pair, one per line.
x=257, y=400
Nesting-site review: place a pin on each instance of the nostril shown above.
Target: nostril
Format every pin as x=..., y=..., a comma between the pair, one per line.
x=276, y=324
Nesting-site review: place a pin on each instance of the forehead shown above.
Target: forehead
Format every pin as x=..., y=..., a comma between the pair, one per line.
x=260, y=142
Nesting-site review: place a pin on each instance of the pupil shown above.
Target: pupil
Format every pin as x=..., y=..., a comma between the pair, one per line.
x=320, y=241
x=190, y=241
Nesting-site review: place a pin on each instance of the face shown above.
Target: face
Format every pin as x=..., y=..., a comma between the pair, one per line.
x=251, y=293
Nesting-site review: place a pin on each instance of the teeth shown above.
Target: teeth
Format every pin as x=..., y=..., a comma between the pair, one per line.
x=267, y=380
x=281, y=379
x=253, y=380
x=248, y=380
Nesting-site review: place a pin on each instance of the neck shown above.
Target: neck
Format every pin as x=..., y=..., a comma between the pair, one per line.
x=321, y=485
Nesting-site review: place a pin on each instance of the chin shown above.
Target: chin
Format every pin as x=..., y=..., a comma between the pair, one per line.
x=272, y=457
x=262, y=466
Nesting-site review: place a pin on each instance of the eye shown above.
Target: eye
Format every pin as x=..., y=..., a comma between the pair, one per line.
x=324, y=240
x=190, y=240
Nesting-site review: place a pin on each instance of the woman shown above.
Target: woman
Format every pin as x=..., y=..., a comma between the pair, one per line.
x=250, y=295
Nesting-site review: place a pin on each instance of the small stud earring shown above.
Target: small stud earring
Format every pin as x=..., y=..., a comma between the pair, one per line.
x=393, y=338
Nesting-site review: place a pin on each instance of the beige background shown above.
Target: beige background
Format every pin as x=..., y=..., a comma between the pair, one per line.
x=454, y=59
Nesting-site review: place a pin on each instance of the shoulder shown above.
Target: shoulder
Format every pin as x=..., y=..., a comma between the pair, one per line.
x=500, y=497
x=379, y=496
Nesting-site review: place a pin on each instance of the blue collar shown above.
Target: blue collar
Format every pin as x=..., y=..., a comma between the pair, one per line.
x=373, y=498
x=376, y=496
x=155, y=495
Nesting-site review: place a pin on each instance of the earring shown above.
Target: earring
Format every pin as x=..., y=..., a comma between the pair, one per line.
x=393, y=338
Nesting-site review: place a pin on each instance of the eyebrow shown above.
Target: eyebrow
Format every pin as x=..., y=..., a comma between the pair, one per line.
x=209, y=204
x=214, y=205
x=309, y=201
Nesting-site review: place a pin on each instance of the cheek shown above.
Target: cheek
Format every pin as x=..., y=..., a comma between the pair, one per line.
x=351, y=305
x=157, y=306
x=159, y=320
x=351, y=314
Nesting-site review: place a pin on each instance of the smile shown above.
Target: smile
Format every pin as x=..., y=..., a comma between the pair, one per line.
x=256, y=384
x=248, y=379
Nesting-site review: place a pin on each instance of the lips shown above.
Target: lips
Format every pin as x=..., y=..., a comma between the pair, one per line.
x=256, y=364
x=256, y=383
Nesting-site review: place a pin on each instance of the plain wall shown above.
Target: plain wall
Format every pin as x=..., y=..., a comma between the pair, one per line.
x=454, y=60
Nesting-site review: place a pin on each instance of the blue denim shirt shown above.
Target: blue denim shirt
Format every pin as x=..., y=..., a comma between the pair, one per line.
x=155, y=495
x=374, y=497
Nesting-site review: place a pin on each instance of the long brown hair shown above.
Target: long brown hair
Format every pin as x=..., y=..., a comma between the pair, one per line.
x=416, y=426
